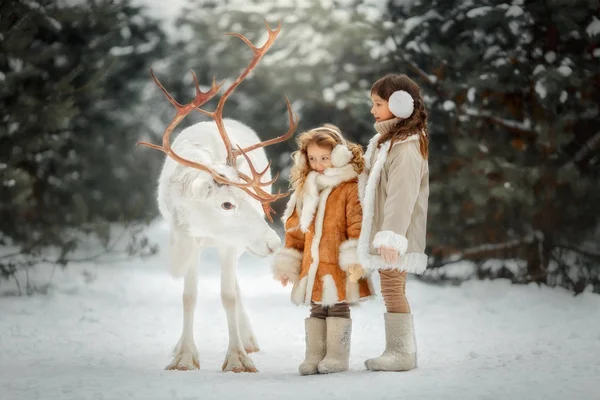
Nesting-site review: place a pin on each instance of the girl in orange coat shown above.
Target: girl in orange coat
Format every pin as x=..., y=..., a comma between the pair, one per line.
x=322, y=225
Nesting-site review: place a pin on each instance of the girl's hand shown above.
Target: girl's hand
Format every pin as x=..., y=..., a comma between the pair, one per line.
x=355, y=272
x=284, y=281
x=389, y=255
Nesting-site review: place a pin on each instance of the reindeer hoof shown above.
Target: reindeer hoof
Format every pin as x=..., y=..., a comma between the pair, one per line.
x=238, y=361
x=184, y=362
x=251, y=346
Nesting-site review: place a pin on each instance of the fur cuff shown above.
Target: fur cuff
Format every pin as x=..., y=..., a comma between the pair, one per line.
x=287, y=263
x=390, y=239
x=348, y=254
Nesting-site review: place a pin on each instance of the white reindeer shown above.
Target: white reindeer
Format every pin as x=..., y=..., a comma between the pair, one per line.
x=210, y=191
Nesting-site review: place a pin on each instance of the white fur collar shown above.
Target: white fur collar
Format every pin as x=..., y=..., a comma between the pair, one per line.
x=315, y=186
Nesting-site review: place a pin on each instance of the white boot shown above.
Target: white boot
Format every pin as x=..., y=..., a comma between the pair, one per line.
x=315, y=345
x=338, y=346
x=401, y=348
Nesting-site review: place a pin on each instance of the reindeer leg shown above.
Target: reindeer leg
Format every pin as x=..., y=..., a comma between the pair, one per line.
x=185, y=354
x=248, y=339
x=237, y=359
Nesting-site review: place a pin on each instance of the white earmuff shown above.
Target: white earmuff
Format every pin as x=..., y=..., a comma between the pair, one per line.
x=341, y=154
x=401, y=104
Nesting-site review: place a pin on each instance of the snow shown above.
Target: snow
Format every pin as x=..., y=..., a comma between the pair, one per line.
x=105, y=332
x=413, y=45
x=540, y=89
x=491, y=51
x=328, y=95
x=538, y=68
x=550, y=57
x=447, y=25
x=564, y=70
x=479, y=11
x=471, y=94
x=514, y=11
x=121, y=51
x=593, y=28
x=448, y=105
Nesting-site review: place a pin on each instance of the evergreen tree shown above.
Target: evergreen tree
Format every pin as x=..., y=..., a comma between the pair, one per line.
x=512, y=91
x=71, y=99
x=314, y=62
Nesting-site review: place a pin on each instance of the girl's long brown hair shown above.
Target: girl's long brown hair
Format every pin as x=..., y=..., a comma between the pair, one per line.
x=416, y=124
x=322, y=138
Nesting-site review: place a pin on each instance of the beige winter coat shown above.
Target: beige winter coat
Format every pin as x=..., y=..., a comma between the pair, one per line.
x=321, y=235
x=394, y=192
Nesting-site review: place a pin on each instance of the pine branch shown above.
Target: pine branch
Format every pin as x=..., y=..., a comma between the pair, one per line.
x=518, y=126
x=587, y=147
x=586, y=253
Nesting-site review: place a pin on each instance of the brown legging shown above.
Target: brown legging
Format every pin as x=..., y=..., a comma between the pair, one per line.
x=393, y=286
x=340, y=310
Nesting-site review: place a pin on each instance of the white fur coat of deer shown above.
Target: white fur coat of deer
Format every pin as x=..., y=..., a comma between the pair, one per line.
x=214, y=190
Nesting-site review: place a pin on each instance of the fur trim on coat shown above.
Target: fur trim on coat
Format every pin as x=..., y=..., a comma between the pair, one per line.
x=324, y=226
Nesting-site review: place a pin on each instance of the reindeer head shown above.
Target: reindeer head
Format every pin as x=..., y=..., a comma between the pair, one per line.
x=228, y=192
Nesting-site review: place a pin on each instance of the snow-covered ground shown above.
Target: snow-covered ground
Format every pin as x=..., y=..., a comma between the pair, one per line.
x=111, y=338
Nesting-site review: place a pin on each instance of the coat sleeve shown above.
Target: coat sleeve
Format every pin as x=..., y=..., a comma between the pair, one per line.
x=287, y=262
x=402, y=188
x=353, y=210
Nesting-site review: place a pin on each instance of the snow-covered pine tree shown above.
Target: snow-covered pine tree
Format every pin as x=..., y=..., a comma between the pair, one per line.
x=70, y=97
x=315, y=62
x=513, y=92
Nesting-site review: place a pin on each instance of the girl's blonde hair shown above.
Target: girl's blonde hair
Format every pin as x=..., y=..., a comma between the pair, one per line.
x=322, y=137
x=416, y=124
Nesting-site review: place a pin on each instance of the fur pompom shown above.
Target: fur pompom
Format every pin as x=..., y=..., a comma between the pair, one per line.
x=401, y=104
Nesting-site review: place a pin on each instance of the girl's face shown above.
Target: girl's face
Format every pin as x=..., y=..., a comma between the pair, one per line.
x=380, y=109
x=319, y=157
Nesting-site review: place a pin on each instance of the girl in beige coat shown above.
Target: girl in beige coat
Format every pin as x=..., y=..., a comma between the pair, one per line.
x=322, y=226
x=394, y=191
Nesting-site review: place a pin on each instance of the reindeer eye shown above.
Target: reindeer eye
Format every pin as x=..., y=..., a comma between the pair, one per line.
x=227, y=206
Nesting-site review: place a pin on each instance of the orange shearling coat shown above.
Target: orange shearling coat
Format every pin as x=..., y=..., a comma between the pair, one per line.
x=321, y=236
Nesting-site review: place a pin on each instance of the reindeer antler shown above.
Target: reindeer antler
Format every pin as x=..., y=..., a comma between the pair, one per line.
x=217, y=115
x=249, y=183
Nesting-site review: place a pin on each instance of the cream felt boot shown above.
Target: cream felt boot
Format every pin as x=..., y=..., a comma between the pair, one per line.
x=401, y=349
x=315, y=345
x=338, y=346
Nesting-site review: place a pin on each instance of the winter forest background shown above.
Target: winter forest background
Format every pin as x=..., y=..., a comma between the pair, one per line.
x=512, y=91
x=509, y=306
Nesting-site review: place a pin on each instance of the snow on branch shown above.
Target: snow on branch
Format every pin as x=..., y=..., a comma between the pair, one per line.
x=586, y=253
x=521, y=126
x=485, y=248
